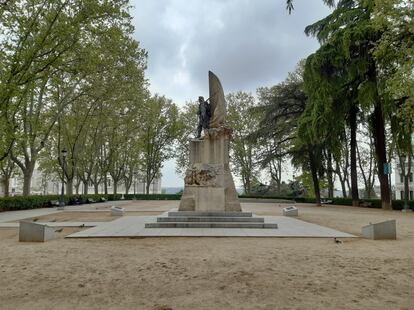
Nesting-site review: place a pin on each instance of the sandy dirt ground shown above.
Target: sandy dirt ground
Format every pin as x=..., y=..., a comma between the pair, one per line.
x=215, y=273
x=86, y=216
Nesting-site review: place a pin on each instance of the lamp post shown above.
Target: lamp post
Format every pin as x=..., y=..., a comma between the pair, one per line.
x=62, y=193
x=406, y=187
x=135, y=185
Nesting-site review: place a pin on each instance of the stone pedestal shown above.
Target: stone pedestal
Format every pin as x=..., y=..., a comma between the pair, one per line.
x=35, y=232
x=117, y=211
x=290, y=211
x=209, y=185
x=380, y=231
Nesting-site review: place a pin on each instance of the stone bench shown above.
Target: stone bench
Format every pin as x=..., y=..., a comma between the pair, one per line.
x=290, y=211
x=365, y=204
x=380, y=231
x=34, y=232
x=326, y=201
x=54, y=203
x=117, y=211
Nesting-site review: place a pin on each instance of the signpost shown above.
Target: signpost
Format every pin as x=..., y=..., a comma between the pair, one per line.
x=387, y=171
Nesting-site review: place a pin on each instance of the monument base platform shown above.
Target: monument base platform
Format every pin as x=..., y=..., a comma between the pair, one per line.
x=194, y=219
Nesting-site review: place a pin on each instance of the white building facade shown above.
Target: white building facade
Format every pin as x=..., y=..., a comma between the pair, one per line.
x=49, y=185
x=399, y=181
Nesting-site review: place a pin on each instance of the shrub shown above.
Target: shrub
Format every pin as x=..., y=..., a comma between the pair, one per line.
x=37, y=201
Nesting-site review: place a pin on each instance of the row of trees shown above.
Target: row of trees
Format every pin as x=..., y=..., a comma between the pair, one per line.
x=346, y=111
x=360, y=78
x=72, y=78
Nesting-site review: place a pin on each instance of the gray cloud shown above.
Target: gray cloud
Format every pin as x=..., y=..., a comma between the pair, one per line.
x=247, y=43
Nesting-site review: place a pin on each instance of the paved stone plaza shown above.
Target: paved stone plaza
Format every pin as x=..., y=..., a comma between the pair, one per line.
x=134, y=226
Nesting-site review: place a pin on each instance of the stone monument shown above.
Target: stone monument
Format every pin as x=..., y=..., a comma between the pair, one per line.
x=209, y=185
x=210, y=199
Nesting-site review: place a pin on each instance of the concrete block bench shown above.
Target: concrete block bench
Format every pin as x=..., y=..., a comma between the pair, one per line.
x=35, y=232
x=380, y=231
x=117, y=211
x=290, y=211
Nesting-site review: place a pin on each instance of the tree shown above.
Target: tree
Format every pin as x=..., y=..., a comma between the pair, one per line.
x=7, y=170
x=242, y=119
x=50, y=56
x=394, y=21
x=106, y=68
x=348, y=37
x=366, y=160
x=160, y=129
x=282, y=106
x=189, y=121
x=37, y=37
x=332, y=107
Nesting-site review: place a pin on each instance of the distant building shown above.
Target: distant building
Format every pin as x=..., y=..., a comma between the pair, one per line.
x=49, y=185
x=399, y=181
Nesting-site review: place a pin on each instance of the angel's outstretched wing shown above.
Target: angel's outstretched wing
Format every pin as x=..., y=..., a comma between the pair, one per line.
x=217, y=101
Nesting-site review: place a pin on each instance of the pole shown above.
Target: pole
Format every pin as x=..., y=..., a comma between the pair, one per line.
x=389, y=176
x=406, y=184
x=62, y=192
x=135, y=184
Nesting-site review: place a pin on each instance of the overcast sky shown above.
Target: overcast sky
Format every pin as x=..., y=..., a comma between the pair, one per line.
x=246, y=43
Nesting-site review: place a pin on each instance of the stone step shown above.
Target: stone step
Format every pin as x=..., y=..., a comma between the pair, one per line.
x=215, y=213
x=210, y=225
x=210, y=219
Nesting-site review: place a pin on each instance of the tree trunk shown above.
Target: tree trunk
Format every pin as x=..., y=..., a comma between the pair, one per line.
x=341, y=179
x=279, y=171
x=6, y=184
x=147, y=187
x=115, y=186
x=85, y=187
x=105, y=185
x=77, y=185
x=406, y=180
x=330, y=176
x=127, y=183
x=369, y=192
x=343, y=188
x=314, y=171
x=69, y=187
x=96, y=188
x=380, y=151
x=27, y=179
x=353, y=145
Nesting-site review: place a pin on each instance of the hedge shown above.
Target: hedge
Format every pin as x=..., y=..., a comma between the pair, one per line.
x=153, y=196
x=33, y=202
x=375, y=203
x=38, y=201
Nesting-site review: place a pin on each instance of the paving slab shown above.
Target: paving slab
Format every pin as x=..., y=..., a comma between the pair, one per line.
x=10, y=216
x=54, y=224
x=134, y=226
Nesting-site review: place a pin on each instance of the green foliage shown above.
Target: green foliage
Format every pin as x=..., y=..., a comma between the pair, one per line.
x=279, y=107
x=394, y=19
x=35, y=202
x=244, y=120
x=189, y=121
x=161, y=127
x=71, y=77
x=153, y=196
